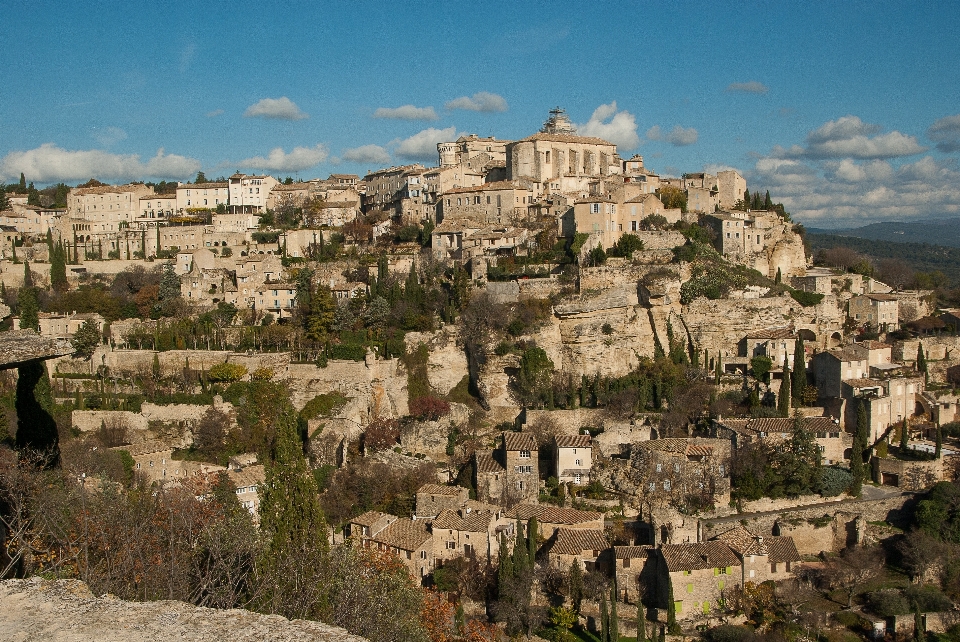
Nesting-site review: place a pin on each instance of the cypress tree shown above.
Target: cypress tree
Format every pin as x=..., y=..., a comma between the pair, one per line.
x=922, y=362
x=505, y=569
x=767, y=202
x=29, y=309
x=641, y=622
x=918, y=630
x=36, y=428
x=14, y=255
x=614, y=624
x=719, y=372
x=859, y=445
x=290, y=519
x=783, y=403
x=904, y=435
x=799, y=372
x=604, y=620
x=671, y=610
x=532, y=530
x=779, y=278
x=576, y=585
x=58, y=268
x=520, y=561
x=939, y=445
x=49, y=242
x=27, y=275
x=747, y=201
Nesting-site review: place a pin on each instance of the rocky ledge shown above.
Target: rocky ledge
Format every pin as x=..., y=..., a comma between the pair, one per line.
x=66, y=611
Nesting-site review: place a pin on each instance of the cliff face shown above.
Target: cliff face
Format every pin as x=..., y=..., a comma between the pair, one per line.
x=66, y=610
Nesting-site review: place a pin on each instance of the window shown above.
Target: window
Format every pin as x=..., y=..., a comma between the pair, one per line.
x=690, y=588
x=576, y=462
x=423, y=555
x=659, y=468
x=666, y=485
x=676, y=468
x=577, y=478
x=524, y=454
x=594, y=208
x=524, y=469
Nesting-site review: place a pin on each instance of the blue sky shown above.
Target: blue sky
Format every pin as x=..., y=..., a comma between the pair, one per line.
x=847, y=112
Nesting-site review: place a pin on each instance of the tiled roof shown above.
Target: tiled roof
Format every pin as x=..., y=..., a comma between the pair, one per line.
x=863, y=383
x=779, y=424
x=875, y=345
x=249, y=476
x=473, y=521
x=573, y=441
x=487, y=464
x=567, y=138
x=146, y=447
x=881, y=297
x=437, y=489
x=212, y=185
x=773, y=333
x=369, y=518
x=519, y=441
x=693, y=557
x=552, y=514
x=109, y=189
x=405, y=534
x=782, y=549
x=743, y=541
x=676, y=446
x=498, y=185
x=575, y=541
x=631, y=552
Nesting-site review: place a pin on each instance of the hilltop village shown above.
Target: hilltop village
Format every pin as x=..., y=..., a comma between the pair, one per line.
x=552, y=392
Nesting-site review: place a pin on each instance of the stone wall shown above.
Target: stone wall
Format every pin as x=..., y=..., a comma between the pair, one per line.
x=90, y=420
x=661, y=240
x=447, y=362
x=172, y=362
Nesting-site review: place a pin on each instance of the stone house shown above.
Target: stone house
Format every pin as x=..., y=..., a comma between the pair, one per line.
x=630, y=566
x=106, y=208
x=209, y=285
x=635, y=173
x=473, y=150
x=887, y=401
x=583, y=545
x=369, y=524
x=155, y=210
x=696, y=577
x=411, y=541
x=249, y=193
x=153, y=459
x=277, y=298
x=33, y=220
x=682, y=472
x=247, y=481
x=762, y=558
x=877, y=310
x=833, y=442
x=573, y=459
x=610, y=216
x=467, y=532
x=776, y=343
x=491, y=203
x=909, y=475
x=731, y=187
x=831, y=367
x=192, y=196
x=63, y=326
x=397, y=191
x=509, y=474
x=552, y=518
x=432, y=499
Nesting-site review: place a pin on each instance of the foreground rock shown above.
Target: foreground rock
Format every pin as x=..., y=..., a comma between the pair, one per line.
x=66, y=610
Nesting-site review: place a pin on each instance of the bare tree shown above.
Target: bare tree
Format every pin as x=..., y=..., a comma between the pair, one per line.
x=895, y=273
x=852, y=569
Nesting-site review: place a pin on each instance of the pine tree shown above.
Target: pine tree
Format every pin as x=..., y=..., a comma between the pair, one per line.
x=783, y=403
x=614, y=623
x=904, y=436
x=799, y=372
x=291, y=521
x=856, y=455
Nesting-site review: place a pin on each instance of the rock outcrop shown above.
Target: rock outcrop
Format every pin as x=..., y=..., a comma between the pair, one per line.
x=66, y=611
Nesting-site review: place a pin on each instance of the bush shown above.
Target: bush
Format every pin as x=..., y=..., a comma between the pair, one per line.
x=806, y=299
x=626, y=246
x=226, y=372
x=928, y=598
x=323, y=404
x=834, y=481
x=262, y=374
x=888, y=602
x=728, y=633
x=347, y=352
x=429, y=408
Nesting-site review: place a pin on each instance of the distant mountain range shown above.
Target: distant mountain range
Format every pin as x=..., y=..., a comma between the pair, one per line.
x=936, y=232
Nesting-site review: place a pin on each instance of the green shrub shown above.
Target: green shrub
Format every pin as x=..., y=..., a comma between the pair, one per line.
x=806, y=299
x=323, y=404
x=834, y=481
x=226, y=372
x=347, y=351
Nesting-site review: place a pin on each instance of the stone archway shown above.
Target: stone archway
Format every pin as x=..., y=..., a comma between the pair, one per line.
x=834, y=340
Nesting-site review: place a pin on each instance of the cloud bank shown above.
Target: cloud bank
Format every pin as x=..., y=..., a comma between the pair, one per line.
x=946, y=134
x=50, y=164
x=366, y=154
x=299, y=159
x=422, y=146
x=850, y=137
x=678, y=136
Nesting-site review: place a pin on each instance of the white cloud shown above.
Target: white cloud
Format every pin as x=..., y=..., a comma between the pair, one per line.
x=480, y=101
x=366, y=154
x=299, y=158
x=850, y=137
x=278, y=108
x=214, y=113
x=678, y=136
x=618, y=127
x=423, y=145
x=49, y=163
x=406, y=112
x=752, y=87
x=109, y=136
x=945, y=132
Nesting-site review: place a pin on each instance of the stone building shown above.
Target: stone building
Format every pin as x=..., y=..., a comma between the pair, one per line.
x=398, y=192
x=635, y=173
x=887, y=402
x=552, y=518
x=247, y=481
x=696, y=577
x=467, y=532
x=489, y=204
x=557, y=160
x=247, y=193
x=412, y=543
x=509, y=474
x=876, y=310
x=432, y=499
x=573, y=459
x=610, y=216
x=766, y=558
x=677, y=472
x=472, y=151
x=581, y=545
x=833, y=442
x=776, y=343
x=369, y=524
x=205, y=196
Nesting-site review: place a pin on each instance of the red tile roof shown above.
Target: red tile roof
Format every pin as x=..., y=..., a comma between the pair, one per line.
x=693, y=557
x=404, y=534
x=587, y=542
x=519, y=441
x=573, y=441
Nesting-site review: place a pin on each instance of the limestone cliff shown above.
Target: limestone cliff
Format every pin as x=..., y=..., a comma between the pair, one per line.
x=66, y=611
